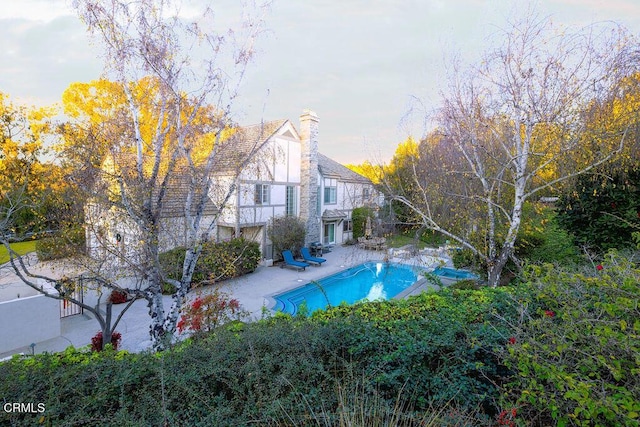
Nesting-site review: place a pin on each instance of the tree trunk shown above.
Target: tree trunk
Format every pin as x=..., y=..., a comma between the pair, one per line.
x=496, y=266
x=157, y=331
x=106, y=330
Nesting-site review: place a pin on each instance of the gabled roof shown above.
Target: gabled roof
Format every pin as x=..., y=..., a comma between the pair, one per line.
x=175, y=198
x=249, y=139
x=243, y=143
x=332, y=169
x=261, y=132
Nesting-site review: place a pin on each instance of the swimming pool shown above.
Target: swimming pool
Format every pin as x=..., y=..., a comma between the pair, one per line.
x=369, y=281
x=452, y=273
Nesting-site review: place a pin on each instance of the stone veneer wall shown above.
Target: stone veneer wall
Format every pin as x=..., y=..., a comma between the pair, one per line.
x=309, y=176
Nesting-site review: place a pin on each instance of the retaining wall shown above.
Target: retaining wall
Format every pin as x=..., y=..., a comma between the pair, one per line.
x=28, y=320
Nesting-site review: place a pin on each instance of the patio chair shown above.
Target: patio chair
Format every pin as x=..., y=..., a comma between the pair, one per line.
x=290, y=262
x=311, y=259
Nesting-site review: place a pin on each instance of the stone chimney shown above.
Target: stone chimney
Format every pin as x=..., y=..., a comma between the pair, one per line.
x=309, y=176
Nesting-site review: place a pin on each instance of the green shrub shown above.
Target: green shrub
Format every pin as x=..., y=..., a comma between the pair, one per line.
x=466, y=284
x=286, y=233
x=427, y=358
x=217, y=261
x=69, y=243
x=541, y=239
x=576, y=348
x=438, y=346
x=465, y=258
x=603, y=209
x=168, y=289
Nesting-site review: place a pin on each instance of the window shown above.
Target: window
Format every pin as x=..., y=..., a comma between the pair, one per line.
x=347, y=226
x=330, y=191
x=291, y=201
x=330, y=195
x=365, y=193
x=261, y=196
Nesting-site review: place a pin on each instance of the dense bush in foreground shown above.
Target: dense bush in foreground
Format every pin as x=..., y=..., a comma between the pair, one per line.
x=559, y=349
x=429, y=353
x=577, y=346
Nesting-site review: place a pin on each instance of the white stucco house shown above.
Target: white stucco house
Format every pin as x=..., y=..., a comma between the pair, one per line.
x=288, y=176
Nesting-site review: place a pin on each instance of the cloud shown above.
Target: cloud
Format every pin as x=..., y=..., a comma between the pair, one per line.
x=43, y=57
x=35, y=10
x=355, y=62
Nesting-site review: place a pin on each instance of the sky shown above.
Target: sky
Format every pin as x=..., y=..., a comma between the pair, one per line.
x=368, y=68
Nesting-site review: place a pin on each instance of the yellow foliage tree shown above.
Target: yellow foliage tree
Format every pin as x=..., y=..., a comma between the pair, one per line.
x=24, y=177
x=368, y=170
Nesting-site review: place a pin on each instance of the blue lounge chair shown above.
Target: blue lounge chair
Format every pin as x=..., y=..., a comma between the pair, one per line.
x=311, y=259
x=290, y=262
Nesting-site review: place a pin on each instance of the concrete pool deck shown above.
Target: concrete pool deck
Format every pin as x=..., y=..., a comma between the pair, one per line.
x=254, y=291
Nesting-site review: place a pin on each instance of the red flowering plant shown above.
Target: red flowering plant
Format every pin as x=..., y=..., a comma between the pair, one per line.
x=96, y=341
x=207, y=311
x=507, y=418
x=118, y=296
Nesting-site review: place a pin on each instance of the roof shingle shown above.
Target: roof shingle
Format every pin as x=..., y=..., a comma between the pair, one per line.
x=329, y=167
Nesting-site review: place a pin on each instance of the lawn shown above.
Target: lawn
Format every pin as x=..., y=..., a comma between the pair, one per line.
x=21, y=248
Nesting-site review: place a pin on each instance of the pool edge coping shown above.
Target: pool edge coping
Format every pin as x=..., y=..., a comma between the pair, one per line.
x=272, y=301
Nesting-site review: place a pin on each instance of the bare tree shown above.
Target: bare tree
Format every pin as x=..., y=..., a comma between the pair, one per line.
x=196, y=71
x=513, y=127
x=176, y=146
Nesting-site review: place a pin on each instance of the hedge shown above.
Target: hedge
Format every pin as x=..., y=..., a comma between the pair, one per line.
x=561, y=348
x=217, y=261
x=403, y=362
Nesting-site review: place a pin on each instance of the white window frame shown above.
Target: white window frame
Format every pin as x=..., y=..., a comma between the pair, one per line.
x=330, y=193
x=262, y=193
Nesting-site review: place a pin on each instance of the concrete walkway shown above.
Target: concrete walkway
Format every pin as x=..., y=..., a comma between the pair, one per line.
x=254, y=291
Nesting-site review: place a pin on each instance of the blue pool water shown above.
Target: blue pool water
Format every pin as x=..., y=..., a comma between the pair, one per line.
x=370, y=281
x=452, y=273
